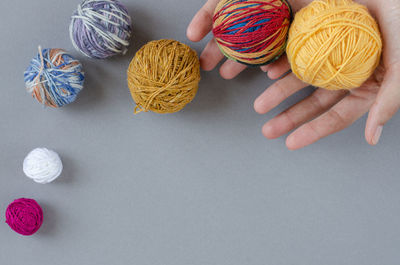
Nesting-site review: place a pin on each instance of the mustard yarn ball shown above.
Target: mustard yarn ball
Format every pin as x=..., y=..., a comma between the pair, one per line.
x=334, y=44
x=164, y=76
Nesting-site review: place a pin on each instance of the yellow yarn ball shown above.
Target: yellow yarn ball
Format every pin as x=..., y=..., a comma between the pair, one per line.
x=334, y=44
x=163, y=76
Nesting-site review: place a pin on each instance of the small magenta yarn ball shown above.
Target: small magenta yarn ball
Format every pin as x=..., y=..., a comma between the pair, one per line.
x=24, y=216
x=101, y=28
x=54, y=78
x=252, y=32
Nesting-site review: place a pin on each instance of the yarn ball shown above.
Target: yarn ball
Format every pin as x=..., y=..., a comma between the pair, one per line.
x=101, y=28
x=54, y=77
x=42, y=165
x=164, y=76
x=24, y=216
x=252, y=32
x=334, y=44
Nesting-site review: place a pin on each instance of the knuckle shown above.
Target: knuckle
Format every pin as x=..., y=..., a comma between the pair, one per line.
x=315, y=101
x=281, y=89
x=339, y=121
x=288, y=116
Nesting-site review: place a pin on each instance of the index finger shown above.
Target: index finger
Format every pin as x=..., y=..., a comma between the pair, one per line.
x=201, y=23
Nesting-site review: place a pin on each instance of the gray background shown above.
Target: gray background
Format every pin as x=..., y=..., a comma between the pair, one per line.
x=199, y=187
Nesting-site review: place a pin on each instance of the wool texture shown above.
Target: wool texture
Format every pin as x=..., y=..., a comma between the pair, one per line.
x=24, y=216
x=252, y=32
x=101, y=28
x=163, y=76
x=334, y=44
x=42, y=165
x=54, y=77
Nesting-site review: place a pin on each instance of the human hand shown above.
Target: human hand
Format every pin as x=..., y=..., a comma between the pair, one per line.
x=326, y=112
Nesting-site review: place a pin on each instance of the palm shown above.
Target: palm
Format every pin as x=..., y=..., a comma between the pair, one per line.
x=323, y=112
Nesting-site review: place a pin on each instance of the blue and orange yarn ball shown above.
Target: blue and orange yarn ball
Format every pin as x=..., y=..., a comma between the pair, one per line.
x=252, y=32
x=54, y=78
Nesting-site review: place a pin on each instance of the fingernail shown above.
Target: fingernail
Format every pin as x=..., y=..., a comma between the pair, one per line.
x=377, y=135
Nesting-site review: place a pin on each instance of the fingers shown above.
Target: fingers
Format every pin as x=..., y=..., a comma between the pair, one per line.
x=198, y=28
x=385, y=106
x=316, y=104
x=230, y=69
x=278, y=68
x=201, y=23
x=265, y=68
x=210, y=56
x=277, y=93
x=339, y=117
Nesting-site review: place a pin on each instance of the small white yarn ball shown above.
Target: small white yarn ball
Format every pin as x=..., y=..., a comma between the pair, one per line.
x=42, y=165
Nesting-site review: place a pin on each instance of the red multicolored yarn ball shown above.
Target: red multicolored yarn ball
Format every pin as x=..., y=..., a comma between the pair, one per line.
x=24, y=216
x=252, y=32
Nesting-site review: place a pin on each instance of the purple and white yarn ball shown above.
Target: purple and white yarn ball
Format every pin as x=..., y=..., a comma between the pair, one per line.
x=101, y=28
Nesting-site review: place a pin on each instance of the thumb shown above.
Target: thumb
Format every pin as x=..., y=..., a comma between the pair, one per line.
x=386, y=105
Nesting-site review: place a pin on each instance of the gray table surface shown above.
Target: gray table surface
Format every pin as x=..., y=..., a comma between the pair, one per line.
x=199, y=187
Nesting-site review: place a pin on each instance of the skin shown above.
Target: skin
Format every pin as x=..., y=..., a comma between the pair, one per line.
x=324, y=112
